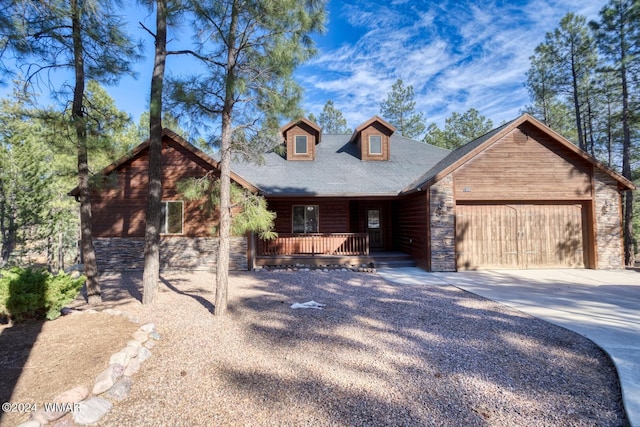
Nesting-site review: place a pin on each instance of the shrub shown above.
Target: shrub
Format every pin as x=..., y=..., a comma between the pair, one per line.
x=27, y=293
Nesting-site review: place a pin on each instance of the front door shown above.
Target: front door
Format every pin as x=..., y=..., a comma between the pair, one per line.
x=374, y=229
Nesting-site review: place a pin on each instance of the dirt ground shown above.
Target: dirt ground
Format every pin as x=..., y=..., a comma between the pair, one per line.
x=34, y=357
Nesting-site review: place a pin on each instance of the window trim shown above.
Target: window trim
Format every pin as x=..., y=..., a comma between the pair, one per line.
x=317, y=209
x=371, y=152
x=295, y=145
x=164, y=219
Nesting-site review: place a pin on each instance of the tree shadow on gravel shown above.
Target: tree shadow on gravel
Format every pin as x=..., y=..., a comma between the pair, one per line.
x=385, y=354
x=195, y=294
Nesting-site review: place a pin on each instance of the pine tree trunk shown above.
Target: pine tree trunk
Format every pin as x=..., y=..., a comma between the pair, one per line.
x=222, y=268
x=151, y=274
x=79, y=120
x=626, y=168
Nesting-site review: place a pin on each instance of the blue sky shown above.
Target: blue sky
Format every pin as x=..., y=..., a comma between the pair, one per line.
x=457, y=54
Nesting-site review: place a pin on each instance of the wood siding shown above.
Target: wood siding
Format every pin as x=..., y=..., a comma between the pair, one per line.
x=120, y=211
x=290, y=142
x=520, y=236
x=411, y=227
x=524, y=166
x=333, y=216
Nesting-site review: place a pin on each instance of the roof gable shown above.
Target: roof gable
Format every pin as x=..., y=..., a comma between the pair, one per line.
x=462, y=155
x=175, y=140
x=372, y=121
x=304, y=123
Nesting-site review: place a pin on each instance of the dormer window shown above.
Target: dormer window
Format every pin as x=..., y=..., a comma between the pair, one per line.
x=373, y=138
x=375, y=144
x=301, y=144
x=300, y=139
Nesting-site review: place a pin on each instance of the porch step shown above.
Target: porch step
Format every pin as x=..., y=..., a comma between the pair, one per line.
x=393, y=260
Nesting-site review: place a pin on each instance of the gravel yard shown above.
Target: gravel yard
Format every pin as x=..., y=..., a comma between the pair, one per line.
x=377, y=354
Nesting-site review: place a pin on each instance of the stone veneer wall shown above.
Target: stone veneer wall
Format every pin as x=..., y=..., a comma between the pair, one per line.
x=443, y=225
x=608, y=222
x=180, y=253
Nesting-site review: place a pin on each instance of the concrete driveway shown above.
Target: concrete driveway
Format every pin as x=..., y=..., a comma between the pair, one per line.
x=602, y=305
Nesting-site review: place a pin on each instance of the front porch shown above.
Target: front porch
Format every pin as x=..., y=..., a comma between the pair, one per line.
x=315, y=249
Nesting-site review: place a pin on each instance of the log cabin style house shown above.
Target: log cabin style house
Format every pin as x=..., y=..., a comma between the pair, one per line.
x=519, y=197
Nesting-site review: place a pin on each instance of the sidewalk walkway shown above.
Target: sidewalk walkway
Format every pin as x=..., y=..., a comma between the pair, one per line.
x=601, y=305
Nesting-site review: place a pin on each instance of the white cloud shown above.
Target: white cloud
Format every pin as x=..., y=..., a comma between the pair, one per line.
x=456, y=55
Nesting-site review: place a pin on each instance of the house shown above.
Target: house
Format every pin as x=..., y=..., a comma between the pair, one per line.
x=519, y=197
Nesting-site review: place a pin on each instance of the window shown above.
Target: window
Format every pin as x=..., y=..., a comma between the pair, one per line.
x=375, y=144
x=301, y=144
x=305, y=219
x=171, y=218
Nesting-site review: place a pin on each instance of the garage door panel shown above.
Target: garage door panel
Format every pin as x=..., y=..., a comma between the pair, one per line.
x=519, y=236
x=485, y=236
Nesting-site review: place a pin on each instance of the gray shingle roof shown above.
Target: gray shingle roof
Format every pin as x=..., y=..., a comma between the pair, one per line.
x=338, y=170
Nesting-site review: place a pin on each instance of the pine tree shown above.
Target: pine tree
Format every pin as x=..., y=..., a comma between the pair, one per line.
x=399, y=110
x=459, y=129
x=250, y=50
x=331, y=120
x=618, y=35
x=84, y=37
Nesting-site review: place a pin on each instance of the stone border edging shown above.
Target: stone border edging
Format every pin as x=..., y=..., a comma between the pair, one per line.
x=81, y=406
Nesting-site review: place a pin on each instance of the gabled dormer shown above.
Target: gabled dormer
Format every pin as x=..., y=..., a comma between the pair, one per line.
x=372, y=138
x=301, y=137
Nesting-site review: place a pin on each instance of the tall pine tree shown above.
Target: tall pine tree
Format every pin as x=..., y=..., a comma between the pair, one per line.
x=85, y=38
x=400, y=110
x=250, y=50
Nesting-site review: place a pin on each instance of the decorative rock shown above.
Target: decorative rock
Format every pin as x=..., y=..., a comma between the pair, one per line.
x=134, y=343
x=107, y=378
x=132, y=350
x=73, y=395
x=133, y=367
x=148, y=327
x=91, y=410
x=66, y=421
x=119, y=358
x=112, y=312
x=29, y=424
x=144, y=354
x=140, y=336
x=150, y=344
x=120, y=390
x=66, y=310
x=155, y=336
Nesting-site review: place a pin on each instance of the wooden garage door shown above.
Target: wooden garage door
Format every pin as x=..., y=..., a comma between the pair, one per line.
x=519, y=236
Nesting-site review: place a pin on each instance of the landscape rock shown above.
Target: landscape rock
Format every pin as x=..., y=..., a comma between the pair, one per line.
x=148, y=327
x=150, y=344
x=133, y=367
x=108, y=378
x=66, y=421
x=120, y=390
x=29, y=423
x=112, y=312
x=73, y=395
x=140, y=336
x=155, y=336
x=119, y=358
x=132, y=350
x=91, y=410
x=144, y=354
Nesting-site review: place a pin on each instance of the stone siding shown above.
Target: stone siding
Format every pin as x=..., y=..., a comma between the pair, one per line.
x=608, y=222
x=443, y=225
x=176, y=253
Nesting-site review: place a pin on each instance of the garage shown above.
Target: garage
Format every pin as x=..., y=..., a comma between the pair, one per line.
x=520, y=236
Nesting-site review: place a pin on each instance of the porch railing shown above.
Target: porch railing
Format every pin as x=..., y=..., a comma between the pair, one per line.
x=316, y=244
